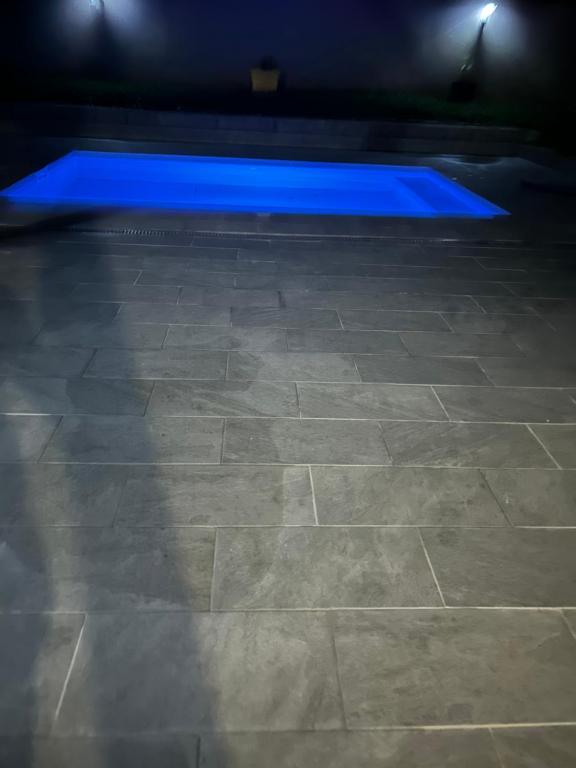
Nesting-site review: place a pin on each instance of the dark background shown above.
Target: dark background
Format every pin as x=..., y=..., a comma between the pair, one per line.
x=389, y=57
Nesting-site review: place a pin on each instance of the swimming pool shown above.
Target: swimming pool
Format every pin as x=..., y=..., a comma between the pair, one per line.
x=228, y=184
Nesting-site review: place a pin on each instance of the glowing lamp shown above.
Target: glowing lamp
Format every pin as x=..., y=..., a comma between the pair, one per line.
x=486, y=12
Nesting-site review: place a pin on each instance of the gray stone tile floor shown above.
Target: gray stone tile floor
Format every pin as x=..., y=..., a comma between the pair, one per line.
x=278, y=501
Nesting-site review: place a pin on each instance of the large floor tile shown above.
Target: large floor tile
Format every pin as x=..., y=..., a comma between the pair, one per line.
x=174, y=314
x=217, y=496
x=393, y=749
x=59, y=494
x=560, y=441
x=368, y=401
x=292, y=366
x=171, y=363
x=504, y=567
x=304, y=441
x=535, y=497
x=78, y=569
x=531, y=372
x=36, y=652
x=460, y=344
x=500, y=404
x=222, y=398
x=285, y=318
x=135, y=752
x=375, y=320
x=403, y=496
x=61, y=396
x=115, y=335
x=451, y=667
x=29, y=361
x=187, y=277
x=212, y=297
x=387, y=301
x=224, y=338
x=464, y=445
x=127, y=439
x=441, y=287
x=477, y=323
x=420, y=370
x=356, y=342
x=536, y=747
x=263, y=671
x=24, y=438
x=321, y=568
x=154, y=294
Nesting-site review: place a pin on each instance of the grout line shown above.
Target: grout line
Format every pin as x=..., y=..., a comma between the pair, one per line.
x=41, y=456
x=315, y=508
x=499, y=505
x=224, y=422
x=565, y=620
x=213, y=576
x=84, y=370
x=165, y=339
x=494, y=746
x=149, y=398
x=330, y=624
x=535, y=436
x=433, y=389
x=431, y=568
x=298, y=400
x=443, y=316
x=69, y=673
x=480, y=307
x=380, y=465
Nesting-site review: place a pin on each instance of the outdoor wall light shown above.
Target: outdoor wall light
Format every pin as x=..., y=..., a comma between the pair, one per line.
x=486, y=12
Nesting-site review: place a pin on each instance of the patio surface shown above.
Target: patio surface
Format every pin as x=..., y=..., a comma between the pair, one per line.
x=275, y=502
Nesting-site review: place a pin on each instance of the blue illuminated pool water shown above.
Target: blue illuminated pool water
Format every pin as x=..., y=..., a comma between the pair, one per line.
x=254, y=186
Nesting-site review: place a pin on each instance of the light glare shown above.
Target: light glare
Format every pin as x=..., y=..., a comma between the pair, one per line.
x=487, y=11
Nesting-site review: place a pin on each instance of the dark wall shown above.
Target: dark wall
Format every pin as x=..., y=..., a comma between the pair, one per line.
x=395, y=44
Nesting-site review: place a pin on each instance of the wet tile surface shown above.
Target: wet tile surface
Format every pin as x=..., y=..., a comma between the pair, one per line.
x=460, y=344
x=399, y=749
x=236, y=664
x=24, y=438
x=527, y=747
x=102, y=439
x=37, y=651
x=217, y=496
x=500, y=404
x=464, y=445
x=320, y=568
x=560, y=441
x=420, y=370
x=78, y=569
x=292, y=366
x=233, y=507
x=223, y=398
x=164, y=364
x=506, y=567
x=355, y=342
x=404, y=496
x=113, y=752
x=368, y=401
x=59, y=494
x=60, y=396
x=224, y=338
x=505, y=667
x=306, y=441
